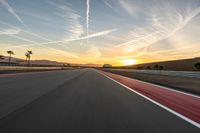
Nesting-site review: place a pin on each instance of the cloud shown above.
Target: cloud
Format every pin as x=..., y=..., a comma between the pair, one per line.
x=10, y=31
x=33, y=43
x=67, y=13
x=13, y=31
x=87, y=15
x=144, y=37
x=12, y=11
x=74, y=29
x=122, y=6
x=21, y=30
x=102, y=33
x=164, y=21
x=91, y=54
x=98, y=34
x=44, y=45
x=128, y=6
x=108, y=4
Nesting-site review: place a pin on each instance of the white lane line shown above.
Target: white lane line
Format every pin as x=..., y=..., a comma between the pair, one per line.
x=160, y=105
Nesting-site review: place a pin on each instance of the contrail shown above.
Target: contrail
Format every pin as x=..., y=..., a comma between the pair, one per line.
x=87, y=15
x=102, y=33
x=97, y=34
x=12, y=11
x=28, y=32
x=108, y=4
x=35, y=43
x=182, y=22
x=62, y=41
x=136, y=40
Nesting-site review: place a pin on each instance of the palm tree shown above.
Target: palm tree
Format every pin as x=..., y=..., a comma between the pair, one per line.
x=148, y=67
x=10, y=55
x=156, y=67
x=28, y=56
x=161, y=67
x=197, y=66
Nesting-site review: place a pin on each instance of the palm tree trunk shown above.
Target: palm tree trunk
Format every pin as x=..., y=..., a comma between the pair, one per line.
x=26, y=61
x=9, y=59
x=29, y=61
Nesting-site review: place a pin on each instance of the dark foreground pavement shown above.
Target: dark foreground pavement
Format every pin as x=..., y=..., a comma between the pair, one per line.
x=79, y=101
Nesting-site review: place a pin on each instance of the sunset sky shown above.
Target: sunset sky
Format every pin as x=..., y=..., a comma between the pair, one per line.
x=118, y=32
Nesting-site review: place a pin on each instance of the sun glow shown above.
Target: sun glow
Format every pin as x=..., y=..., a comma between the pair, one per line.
x=129, y=62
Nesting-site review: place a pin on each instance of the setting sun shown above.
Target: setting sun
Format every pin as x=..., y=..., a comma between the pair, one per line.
x=129, y=62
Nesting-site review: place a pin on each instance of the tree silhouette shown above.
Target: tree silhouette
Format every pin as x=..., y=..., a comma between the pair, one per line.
x=197, y=66
x=148, y=67
x=10, y=55
x=156, y=67
x=161, y=67
x=139, y=67
x=28, y=56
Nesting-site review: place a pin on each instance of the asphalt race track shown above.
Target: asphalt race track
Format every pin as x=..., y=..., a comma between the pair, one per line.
x=80, y=101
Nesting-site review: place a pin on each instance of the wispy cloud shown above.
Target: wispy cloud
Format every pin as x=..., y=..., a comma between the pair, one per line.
x=72, y=55
x=144, y=28
x=98, y=34
x=74, y=29
x=108, y=4
x=128, y=6
x=91, y=54
x=12, y=11
x=30, y=32
x=13, y=32
x=9, y=31
x=14, y=28
x=141, y=38
x=122, y=6
x=163, y=23
x=33, y=43
x=21, y=30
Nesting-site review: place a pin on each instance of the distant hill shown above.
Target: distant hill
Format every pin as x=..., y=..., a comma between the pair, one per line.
x=45, y=62
x=177, y=65
x=87, y=65
x=13, y=59
x=33, y=62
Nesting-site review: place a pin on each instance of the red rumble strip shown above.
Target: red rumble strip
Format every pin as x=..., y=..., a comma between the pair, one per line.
x=186, y=105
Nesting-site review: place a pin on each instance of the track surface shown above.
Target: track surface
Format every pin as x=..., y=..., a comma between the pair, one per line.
x=186, y=104
x=79, y=101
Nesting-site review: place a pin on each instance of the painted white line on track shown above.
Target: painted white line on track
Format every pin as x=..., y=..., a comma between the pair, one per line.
x=160, y=105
